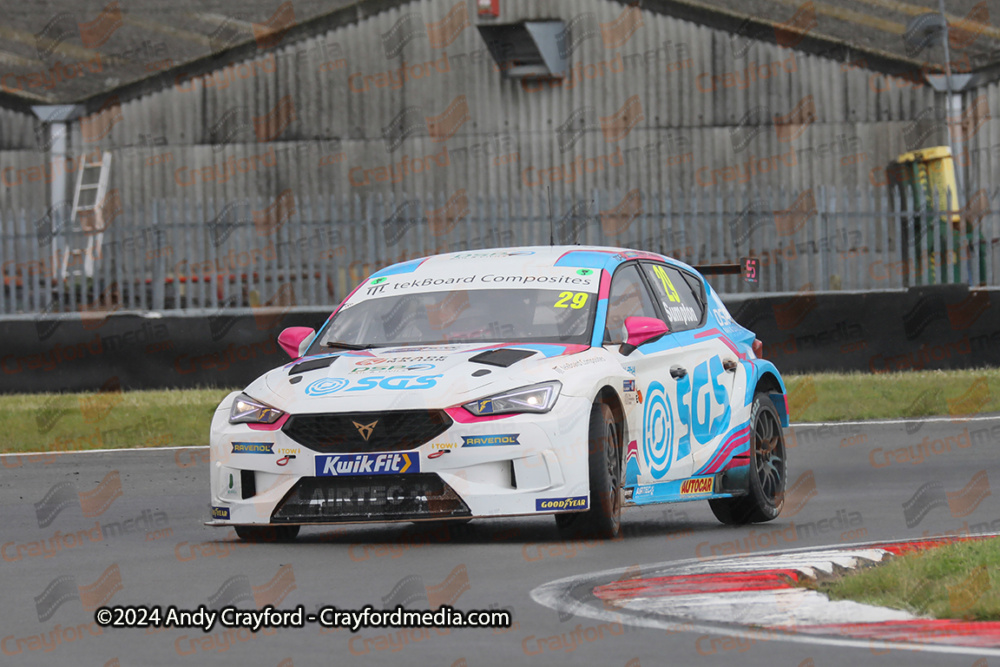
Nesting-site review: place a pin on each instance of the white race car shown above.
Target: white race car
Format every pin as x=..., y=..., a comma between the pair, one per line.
x=543, y=380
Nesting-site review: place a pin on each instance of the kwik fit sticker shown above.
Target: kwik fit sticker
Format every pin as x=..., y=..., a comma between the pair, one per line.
x=346, y=465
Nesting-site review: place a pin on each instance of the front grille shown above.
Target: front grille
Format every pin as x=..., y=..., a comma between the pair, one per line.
x=345, y=432
x=370, y=498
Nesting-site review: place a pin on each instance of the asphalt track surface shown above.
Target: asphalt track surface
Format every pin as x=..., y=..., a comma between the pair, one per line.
x=861, y=472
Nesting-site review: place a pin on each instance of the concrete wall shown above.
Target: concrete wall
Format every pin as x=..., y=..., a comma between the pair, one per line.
x=922, y=328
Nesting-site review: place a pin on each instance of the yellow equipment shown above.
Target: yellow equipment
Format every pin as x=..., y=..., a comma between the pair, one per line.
x=924, y=182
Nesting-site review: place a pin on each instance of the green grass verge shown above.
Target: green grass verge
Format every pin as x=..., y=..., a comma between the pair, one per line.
x=952, y=581
x=58, y=422
x=851, y=396
x=62, y=422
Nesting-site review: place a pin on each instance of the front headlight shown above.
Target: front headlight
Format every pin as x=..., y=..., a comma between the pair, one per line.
x=536, y=398
x=246, y=410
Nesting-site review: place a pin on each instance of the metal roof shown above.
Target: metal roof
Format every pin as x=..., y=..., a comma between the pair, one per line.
x=62, y=51
x=68, y=50
x=878, y=28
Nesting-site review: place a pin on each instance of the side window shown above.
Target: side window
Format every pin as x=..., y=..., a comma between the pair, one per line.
x=678, y=295
x=628, y=298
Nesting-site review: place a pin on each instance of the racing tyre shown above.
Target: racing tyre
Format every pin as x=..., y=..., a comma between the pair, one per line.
x=603, y=519
x=766, y=493
x=267, y=533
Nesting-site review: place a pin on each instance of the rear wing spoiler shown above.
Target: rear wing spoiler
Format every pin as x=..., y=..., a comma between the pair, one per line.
x=749, y=268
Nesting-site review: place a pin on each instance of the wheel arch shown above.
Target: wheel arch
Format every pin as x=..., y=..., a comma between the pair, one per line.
x=769, y=381
x=610, y=397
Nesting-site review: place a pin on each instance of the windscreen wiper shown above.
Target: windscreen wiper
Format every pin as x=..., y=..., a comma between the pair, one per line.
x=346, y=346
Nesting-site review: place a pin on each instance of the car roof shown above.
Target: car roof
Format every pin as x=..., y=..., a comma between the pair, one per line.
x=528, y=257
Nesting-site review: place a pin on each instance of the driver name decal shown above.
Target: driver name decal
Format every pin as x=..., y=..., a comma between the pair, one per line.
x=682, y=313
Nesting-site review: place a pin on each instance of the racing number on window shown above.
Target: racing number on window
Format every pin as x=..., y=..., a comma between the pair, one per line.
x=668, y=286
x=574, y=300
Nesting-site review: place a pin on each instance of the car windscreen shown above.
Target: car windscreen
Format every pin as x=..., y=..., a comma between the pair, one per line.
x=463, y=316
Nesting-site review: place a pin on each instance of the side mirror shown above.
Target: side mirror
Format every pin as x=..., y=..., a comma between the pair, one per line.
x=291, y=340
x=642, y=330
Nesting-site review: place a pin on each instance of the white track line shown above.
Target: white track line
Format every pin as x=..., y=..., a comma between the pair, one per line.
x=920, y=420
x=62, y=452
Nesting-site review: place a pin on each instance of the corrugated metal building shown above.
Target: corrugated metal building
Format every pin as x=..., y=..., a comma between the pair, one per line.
x=408, y=100
x=675, y=100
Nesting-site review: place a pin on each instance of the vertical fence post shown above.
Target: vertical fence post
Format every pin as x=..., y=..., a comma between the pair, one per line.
x=666, y=224
x=6, y=282
x=159, y=270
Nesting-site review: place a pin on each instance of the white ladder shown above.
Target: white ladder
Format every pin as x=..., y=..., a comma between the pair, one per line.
x=83, y=245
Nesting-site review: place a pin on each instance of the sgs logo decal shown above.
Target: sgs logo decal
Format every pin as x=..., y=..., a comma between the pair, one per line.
x=658, y=431
x=703, y=411
x=327, y=386
x=708, y=397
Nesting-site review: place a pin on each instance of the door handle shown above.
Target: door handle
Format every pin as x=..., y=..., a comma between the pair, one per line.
x=676, y=372
x=729, y=365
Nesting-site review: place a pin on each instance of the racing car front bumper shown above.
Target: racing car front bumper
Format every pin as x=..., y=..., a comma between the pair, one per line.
x=300, y=472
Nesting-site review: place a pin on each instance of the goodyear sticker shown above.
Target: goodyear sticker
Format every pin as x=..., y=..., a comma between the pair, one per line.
x=346, y=465
x=697, y=485
x=490, y=440
x=220, y=513
x=575, y=503
x=486, y=406
x=253, y=447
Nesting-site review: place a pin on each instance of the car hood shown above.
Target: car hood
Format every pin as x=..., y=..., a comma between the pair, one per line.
x=416, y=377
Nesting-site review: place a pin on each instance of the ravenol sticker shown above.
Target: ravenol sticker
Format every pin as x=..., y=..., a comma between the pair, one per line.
x=490, y=440
x=697, y=485
x=220, y=513
x=628, y=385
x=645, y=490
x=253, y=448
x=575, y=503
x=346, y=465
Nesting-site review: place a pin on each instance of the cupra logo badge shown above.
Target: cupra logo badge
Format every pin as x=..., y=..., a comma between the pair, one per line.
x=365, y=429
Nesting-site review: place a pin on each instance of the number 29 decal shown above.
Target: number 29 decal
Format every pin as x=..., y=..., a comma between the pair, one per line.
x=668, y=285
x=574, y=300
